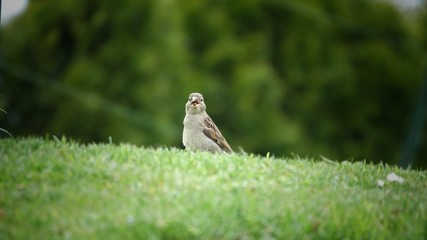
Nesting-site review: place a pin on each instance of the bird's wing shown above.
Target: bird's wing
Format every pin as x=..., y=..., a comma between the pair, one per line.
x=212, y=132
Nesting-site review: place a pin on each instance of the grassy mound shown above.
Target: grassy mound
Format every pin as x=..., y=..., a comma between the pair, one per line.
x=61, y=189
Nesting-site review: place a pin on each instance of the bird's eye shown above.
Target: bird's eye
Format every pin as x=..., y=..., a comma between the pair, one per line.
x=189, y=99
x=201, y=99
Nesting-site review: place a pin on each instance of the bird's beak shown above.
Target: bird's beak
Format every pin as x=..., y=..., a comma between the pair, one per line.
x=194, y=101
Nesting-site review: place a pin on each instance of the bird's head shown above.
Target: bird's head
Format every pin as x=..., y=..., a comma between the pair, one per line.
x=195, y=104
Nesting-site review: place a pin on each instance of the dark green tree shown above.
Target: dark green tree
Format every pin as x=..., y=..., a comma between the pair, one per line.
x=337, y=78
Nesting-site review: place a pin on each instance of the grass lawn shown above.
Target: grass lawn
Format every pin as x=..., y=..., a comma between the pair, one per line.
x=53, y=189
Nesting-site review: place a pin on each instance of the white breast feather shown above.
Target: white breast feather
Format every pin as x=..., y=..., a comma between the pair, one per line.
x=193, y=137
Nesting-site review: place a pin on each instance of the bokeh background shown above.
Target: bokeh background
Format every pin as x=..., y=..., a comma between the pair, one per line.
x=341, y=79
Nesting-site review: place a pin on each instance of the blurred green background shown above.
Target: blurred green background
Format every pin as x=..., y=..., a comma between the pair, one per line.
x=311, y=77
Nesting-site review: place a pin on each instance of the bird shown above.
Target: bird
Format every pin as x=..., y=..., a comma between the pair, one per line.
x=200, y=132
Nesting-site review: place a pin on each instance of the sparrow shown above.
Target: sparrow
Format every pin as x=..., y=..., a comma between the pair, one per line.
x=200, y=132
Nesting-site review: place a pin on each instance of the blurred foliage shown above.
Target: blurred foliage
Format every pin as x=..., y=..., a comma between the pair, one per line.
x=330, y=77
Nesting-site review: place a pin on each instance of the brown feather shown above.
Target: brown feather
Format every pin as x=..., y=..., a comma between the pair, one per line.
x=212, y=132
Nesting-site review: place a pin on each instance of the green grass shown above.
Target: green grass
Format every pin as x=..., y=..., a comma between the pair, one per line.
x=53, y=189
